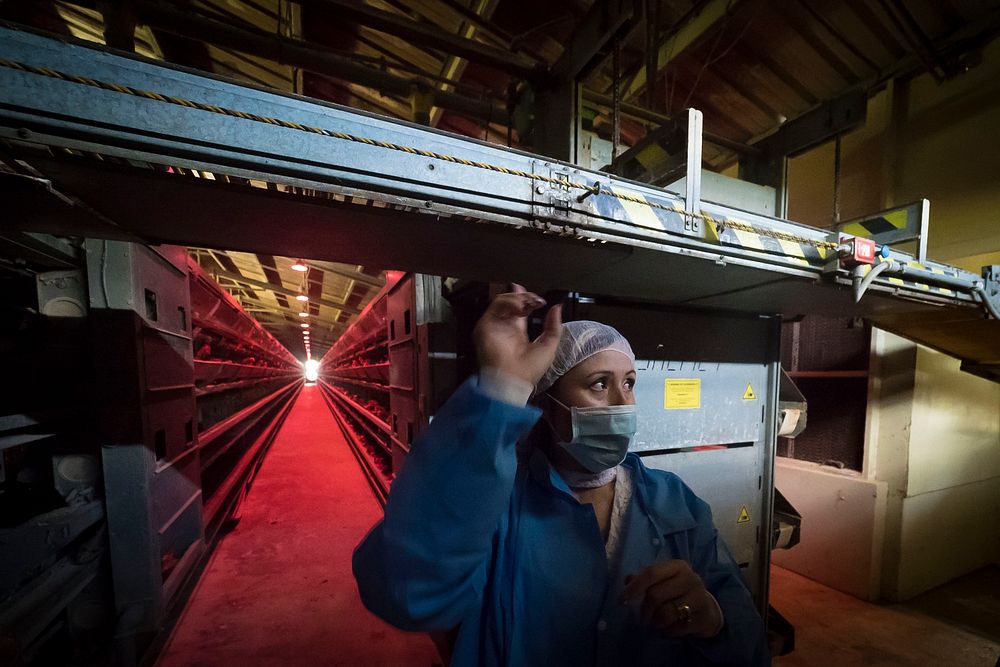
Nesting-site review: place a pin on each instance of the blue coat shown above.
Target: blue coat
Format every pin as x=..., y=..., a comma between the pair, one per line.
x=471, y=538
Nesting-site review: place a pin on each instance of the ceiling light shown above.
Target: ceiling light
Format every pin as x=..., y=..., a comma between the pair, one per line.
x=303, y=314
x=304, y=325
x=299, y=266
x=301, y=297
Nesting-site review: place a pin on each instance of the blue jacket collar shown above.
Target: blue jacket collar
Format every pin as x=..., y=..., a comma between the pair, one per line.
x=545, y=474
x=651, y=490
x=654, y=490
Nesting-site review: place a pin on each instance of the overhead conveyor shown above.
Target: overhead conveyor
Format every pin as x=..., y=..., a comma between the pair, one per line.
x=116, y=146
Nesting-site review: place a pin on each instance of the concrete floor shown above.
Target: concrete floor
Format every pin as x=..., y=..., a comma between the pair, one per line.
x=836, y=630
x=279, y=590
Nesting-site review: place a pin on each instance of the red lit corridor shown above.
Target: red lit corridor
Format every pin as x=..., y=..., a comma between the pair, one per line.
x=278, y=589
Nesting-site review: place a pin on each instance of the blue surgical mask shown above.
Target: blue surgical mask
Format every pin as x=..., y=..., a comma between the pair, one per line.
x=601, y=434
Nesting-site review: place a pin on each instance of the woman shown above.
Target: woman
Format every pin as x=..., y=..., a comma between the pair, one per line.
x=576, y=554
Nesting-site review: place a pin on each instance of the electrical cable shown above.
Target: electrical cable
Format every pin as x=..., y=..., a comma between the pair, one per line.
x=712, y=58
x=981, y=292
x=862, y=285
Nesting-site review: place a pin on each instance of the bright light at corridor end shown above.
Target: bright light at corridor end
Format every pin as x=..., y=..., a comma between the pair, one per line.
x=312, y=370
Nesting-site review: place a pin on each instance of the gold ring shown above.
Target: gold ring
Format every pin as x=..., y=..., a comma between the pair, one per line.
x=684, y=613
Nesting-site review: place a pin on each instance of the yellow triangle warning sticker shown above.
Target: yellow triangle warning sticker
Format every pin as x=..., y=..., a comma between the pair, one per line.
x=744, y=515
x=748, y=395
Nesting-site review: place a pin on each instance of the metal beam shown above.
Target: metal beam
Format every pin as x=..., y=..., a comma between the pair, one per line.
x=292, y=315
x=119, y=23
x=356, y=276
x=282, y=318
x=311, y=57
x=557, y=121
x=491, y=30
x=41, y=249
x=747, y=52
x=642, y=113
x=817, y=126
x=282, y=290
x=432, y=36
x=323, y=336
x=805, y=29
x=688, y=34
x=587, y=48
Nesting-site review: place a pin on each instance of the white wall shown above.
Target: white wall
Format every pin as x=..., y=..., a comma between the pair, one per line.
x=840, y=542
x=933, y=431
x=951, y=510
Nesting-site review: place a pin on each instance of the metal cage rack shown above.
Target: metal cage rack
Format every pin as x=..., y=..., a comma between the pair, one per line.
x=388, y=372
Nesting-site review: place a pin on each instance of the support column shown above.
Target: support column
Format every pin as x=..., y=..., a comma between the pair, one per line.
x=556, y=130
x=557, y=121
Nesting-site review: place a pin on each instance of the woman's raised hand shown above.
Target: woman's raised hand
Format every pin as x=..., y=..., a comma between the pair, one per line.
x=501, y=336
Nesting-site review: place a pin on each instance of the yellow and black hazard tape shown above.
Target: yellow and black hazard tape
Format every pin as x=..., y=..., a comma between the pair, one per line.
x=746, y=234
x=877, y=224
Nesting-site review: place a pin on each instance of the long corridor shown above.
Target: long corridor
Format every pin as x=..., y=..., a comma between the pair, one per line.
x=278, y=589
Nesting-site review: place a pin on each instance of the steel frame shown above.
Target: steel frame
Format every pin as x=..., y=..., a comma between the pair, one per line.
x=66, y=114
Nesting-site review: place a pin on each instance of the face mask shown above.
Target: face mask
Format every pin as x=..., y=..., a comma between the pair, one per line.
x=601, y=435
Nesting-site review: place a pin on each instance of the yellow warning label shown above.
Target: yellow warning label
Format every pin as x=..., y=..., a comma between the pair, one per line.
x=748, y=395
x=744, y=515
x=682, y=395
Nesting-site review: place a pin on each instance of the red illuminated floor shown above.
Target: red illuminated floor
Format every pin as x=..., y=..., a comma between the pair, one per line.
x=279, y=589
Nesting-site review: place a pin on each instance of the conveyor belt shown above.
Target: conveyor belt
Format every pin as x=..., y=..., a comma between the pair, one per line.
x=278, y=173
x=279, y=588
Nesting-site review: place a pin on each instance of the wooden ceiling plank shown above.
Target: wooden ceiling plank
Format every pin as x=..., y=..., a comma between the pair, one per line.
x=750, y=53
x=815, y=42
x=708, y=18
x=343, y=270
x=873, y=23
x=839, y=36
x=723, y=74
x=292, y=316
x=275, y=288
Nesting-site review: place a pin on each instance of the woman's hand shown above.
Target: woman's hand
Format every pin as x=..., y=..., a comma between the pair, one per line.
x=501, y=336
x=674, y=599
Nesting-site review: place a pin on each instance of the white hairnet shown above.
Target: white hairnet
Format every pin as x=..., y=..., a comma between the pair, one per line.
x=581, y=340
